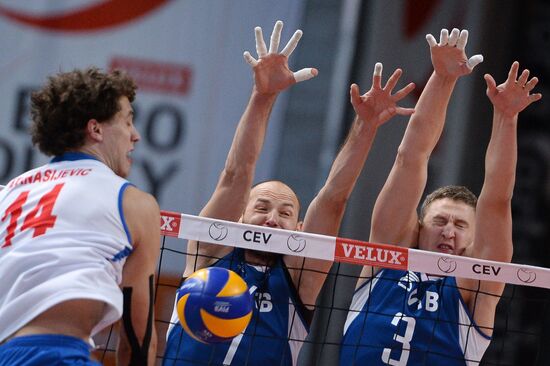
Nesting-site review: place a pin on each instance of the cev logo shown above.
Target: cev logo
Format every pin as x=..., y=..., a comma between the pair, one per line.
x=526, y=275
x=218, y=231
x=296, y=243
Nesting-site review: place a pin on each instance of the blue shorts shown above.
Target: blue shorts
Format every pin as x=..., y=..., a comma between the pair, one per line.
x=45, y=349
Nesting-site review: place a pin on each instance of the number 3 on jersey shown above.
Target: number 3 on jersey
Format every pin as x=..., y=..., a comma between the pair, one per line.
x=405, y=341
x=40, y=218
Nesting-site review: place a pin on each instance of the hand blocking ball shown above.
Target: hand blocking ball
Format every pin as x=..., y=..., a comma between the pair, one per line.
x=214, y=305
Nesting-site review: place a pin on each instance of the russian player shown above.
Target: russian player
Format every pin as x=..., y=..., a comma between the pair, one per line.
x=74, y=230
x=285, y=287
x=407, y=318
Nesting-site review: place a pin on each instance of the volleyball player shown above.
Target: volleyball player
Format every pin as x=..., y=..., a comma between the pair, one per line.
x=408, y=318
x=284, y=286
x=73, y=230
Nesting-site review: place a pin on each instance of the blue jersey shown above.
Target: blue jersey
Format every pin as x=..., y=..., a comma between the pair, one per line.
x=276, y=331
x=408, y=318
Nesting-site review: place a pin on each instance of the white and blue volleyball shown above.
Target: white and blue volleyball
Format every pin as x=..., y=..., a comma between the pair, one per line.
x=214, y=305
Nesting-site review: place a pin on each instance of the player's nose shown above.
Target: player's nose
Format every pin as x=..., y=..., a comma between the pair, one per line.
x=272, y=219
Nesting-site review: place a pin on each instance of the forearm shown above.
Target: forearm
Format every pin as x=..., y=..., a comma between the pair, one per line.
x=501, y=159
x=249, y=136
x=350, y=160
x=426, y=124
x=228, y=200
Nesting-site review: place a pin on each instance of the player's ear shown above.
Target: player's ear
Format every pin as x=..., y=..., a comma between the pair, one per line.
x=94, y=130
x=300, y=226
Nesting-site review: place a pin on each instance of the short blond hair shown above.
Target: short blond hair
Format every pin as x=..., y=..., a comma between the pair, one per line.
x=456, y=193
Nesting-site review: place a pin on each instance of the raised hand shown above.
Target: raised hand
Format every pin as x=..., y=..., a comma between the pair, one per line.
x=514, y=95
x=378, y=104
x=448, y=56
x=271, y=72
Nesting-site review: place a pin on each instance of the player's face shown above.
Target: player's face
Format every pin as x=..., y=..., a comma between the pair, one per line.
x=448, y=227
x=120, y=138
x=272, y=204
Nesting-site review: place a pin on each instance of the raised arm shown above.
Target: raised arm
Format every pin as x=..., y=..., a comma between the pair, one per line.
x=138, y=338
x=325, y=212
x=271, y=76
x=493, y=235
x=394, y=218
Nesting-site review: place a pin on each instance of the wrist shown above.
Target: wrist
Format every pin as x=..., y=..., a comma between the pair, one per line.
x=263, y=96
x=504, y=117
x=445, y=79
x=365, y=126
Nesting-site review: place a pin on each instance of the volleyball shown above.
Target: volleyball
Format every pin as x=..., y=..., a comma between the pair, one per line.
x=214, y=305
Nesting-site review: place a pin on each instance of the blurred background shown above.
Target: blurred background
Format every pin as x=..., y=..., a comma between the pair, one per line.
x=194, y=84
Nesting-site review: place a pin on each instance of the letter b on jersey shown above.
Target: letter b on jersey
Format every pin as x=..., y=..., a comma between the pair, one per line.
x=263, y=302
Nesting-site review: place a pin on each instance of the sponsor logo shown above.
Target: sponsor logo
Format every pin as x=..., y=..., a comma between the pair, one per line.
x=218, y=231
x=446, y=265
x=296, y=243
x=486, y=269
x=155, y=76
x=526, y=275
x=170, y=223
x=222, y=307
x=88, y=17
x=358, y=252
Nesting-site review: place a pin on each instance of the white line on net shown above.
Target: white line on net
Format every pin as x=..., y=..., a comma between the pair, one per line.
x=343, y=250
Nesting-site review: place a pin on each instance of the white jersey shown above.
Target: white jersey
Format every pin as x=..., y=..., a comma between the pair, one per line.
x=62, y=236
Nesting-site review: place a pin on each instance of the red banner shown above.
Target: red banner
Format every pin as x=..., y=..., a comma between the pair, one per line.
x=364, y=253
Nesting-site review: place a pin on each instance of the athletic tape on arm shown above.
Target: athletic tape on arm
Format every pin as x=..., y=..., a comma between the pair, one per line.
x=347, y=250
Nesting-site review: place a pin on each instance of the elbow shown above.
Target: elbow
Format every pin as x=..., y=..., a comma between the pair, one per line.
x=333, y=201
x=407, y=157
x=236, y=175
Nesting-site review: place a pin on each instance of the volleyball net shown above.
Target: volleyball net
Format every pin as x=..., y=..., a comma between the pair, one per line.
x=526, y=290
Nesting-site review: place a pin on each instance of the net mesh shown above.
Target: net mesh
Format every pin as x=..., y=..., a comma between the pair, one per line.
x=518, y=333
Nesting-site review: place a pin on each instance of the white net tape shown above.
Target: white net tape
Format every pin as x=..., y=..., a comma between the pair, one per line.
x=344, y=250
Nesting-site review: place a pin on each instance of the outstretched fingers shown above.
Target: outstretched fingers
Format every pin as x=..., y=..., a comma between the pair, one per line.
x=453, y=38
x=534, y=97
x=355, y=96
x=292, y=43
x=377, y=75
x=392, y=81
x=443, y=37
x=249, y=59
x=491, y=85
x=261, y=49
x=404, y=111
x=431, y=40
x=513, y=73
x=530, y=85
x=275, y=37
x=462, y=40
x=522, y=80
x=402, y=93
x=474, y=61
x=305, y=74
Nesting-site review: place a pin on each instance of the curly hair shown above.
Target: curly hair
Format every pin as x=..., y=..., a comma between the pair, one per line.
x=61, y=109
x=457, y=193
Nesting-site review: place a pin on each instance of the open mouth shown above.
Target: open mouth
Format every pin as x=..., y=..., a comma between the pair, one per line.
x=445, y=248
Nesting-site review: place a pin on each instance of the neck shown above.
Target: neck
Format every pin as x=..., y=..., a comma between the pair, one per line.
x=260, y=258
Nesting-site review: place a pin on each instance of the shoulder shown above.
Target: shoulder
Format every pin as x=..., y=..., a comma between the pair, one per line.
x=142, y=214
x=135, y=199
